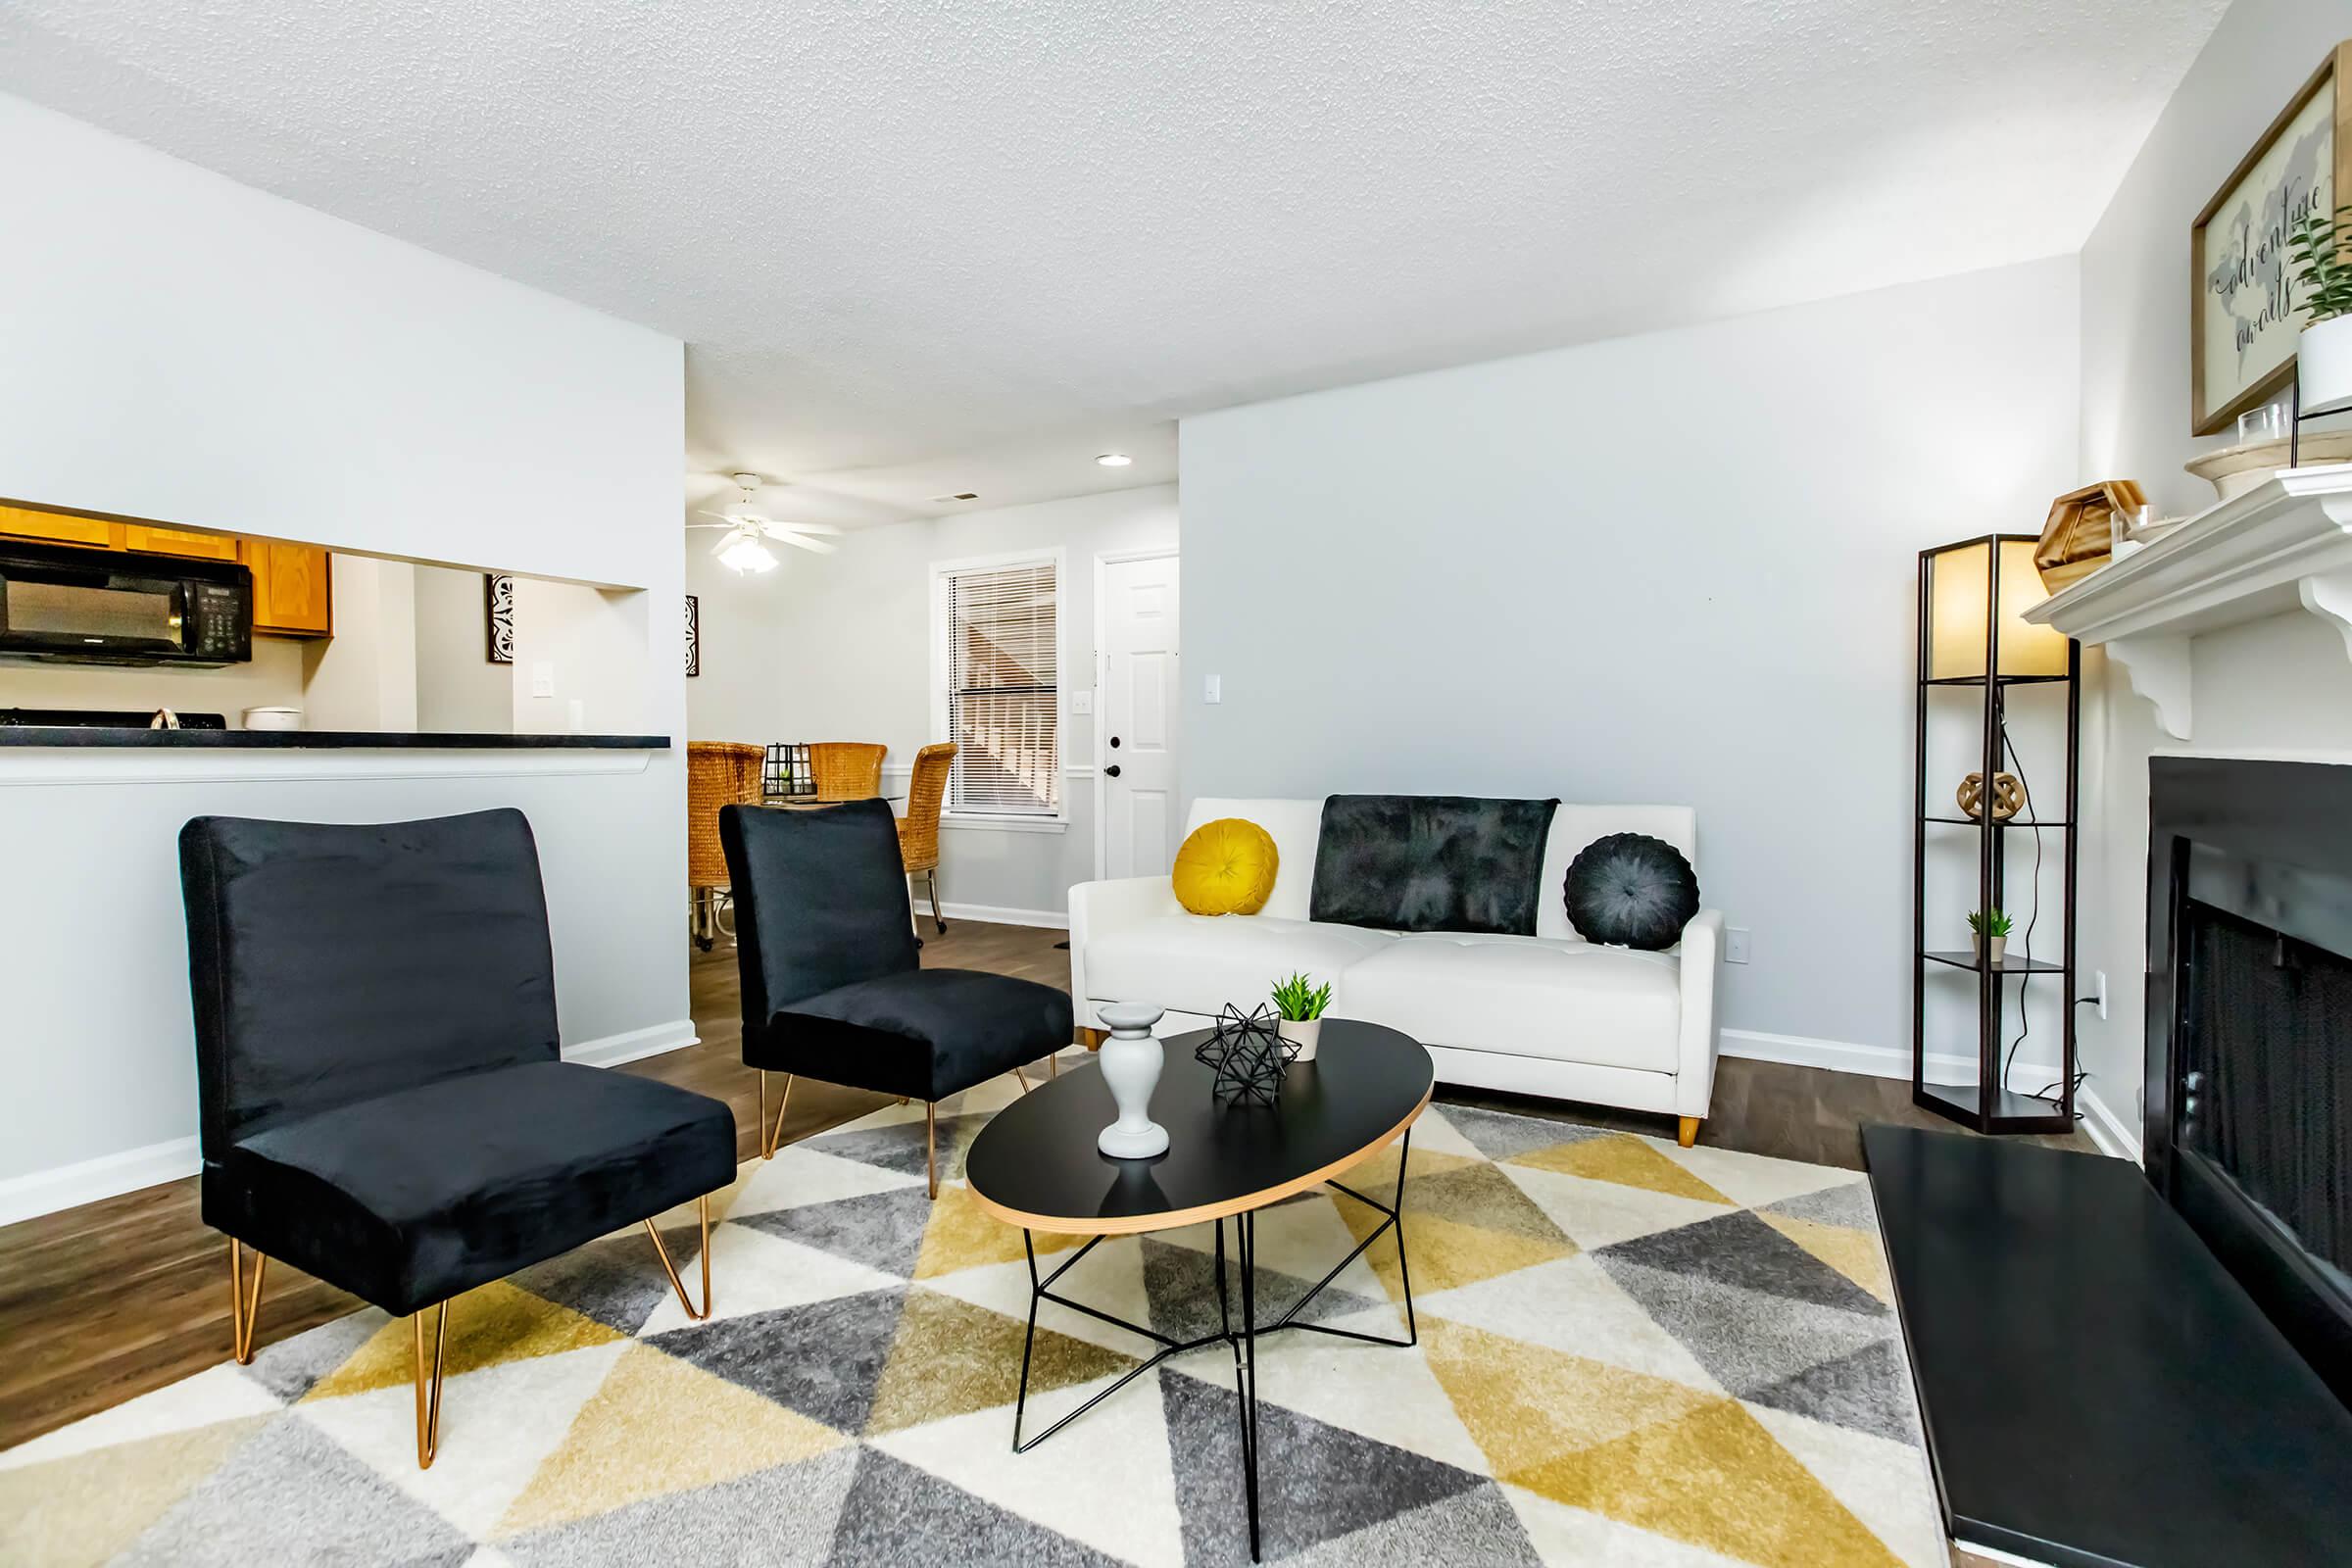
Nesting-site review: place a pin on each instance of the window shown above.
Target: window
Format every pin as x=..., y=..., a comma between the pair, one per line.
x=999, y=624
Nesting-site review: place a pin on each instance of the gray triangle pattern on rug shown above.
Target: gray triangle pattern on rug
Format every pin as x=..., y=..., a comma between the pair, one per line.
x=824, y=1359
x=1315, y=1481
x=1499, y=1135
x=1478, y=1525
x=347, y=1514
x=898, y=1148
x=782, y=1515
x=1181, y=1284
x=1738, y=1249
x=881, y=1230
x=896, y=1514
x=1867, y=1390
x=611, y=1280
x=1744, y=1338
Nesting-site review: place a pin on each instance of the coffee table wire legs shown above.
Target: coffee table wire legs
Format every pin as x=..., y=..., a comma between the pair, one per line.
x=1243, y=1342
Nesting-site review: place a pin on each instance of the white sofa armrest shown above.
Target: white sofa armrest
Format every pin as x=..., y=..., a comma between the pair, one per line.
x=1695, y=1056
x=1099, y=909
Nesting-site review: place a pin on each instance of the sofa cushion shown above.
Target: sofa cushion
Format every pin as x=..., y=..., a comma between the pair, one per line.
x=1633, y=890
x=1198, y=964
x=1225, y=867
x=1293, y=824
x=1431, y=862
x=1574, y=826
x=1543, y=997
x=928, y=1033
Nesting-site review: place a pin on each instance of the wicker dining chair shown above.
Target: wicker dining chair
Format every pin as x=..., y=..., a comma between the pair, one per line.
x=918, y=829
x=847, y=770
x=717, y=773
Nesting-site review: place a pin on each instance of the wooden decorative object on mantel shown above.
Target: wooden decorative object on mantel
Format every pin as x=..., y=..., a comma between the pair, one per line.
x=2075, y=541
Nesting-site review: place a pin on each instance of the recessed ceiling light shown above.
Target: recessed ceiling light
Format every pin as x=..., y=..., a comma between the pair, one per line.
x=1115, y=460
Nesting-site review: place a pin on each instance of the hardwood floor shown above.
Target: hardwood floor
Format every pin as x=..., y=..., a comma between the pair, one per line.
x=114, y=1298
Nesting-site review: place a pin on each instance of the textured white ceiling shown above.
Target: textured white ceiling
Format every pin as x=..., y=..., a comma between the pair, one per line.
x=919, y=238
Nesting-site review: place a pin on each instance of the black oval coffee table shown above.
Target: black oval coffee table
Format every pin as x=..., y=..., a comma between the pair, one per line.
x=1035, y=1165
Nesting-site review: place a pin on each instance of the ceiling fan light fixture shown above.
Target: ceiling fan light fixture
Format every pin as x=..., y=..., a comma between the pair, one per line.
x=743, y=552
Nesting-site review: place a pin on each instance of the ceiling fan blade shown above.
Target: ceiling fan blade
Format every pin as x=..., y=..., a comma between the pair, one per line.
x=726, y=525
x=818, y=546
x=810, y=527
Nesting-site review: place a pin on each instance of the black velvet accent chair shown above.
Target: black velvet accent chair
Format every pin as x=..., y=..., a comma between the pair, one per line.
x=832, y=988
x=383, y=1104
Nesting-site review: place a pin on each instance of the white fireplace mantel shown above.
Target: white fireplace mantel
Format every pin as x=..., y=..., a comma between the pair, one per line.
x=2284, y=546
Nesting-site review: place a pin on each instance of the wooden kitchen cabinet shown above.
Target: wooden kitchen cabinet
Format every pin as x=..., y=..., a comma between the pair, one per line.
x=58, y=527
x=154, y=541
x=292, y=594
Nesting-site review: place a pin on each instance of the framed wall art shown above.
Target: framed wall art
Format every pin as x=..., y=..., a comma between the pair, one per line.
x=694, y=635
x=498, y=609
x=2244, y=311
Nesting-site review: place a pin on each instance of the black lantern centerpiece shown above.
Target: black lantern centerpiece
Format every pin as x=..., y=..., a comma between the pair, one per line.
x=1249, y=1056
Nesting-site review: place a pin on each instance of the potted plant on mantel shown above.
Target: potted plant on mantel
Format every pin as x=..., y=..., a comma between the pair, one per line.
x=1988, y=933
x=2322, y=243
x=1299, y=1002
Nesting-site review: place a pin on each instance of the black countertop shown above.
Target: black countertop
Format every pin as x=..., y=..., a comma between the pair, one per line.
x=318, y=740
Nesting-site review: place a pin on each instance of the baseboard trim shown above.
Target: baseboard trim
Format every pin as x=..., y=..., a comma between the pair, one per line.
x=62, y=1187
x=634, y=1045
x=1871, y=1062
x=2110, y=1132
x=996, y=914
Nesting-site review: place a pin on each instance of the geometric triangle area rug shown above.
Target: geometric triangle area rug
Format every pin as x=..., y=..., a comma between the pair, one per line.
x=1629, y=1353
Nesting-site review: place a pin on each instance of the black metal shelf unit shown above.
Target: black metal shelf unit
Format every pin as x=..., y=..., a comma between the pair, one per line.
x=1988, y=1104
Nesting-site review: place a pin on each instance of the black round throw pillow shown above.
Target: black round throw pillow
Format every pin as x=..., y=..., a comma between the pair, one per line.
x=1632, y=889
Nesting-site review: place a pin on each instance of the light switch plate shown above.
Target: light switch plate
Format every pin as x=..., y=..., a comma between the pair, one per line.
x=543, y=679
x=1735, y=944
x=1082, y=705
x=1212, y=690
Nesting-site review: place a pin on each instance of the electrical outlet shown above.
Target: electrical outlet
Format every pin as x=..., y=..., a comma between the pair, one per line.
x=2102, y=993
x=1735, y=944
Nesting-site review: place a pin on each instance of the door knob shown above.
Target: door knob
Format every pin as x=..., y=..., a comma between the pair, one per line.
x=1112, y=771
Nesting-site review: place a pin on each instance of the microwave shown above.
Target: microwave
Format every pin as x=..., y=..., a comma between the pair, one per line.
x=108, y=606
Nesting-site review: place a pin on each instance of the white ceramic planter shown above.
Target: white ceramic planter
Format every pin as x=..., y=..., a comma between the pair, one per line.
x=1131, y=1061
x=2323, y=361
x=1306, y=1031
x=1998, y=946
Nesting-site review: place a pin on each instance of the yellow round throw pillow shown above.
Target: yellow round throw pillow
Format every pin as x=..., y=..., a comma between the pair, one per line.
x=1226, y=867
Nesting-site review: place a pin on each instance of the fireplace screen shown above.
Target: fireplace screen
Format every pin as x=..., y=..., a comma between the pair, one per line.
x=2266, y=1077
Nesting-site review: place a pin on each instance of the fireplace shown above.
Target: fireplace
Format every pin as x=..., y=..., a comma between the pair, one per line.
x=2249, y=1032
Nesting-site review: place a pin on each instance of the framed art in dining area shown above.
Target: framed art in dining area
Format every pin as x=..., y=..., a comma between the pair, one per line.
x=2244, y=312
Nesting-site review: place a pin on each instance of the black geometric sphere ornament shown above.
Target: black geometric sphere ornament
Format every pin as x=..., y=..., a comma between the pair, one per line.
x=1249, y=1056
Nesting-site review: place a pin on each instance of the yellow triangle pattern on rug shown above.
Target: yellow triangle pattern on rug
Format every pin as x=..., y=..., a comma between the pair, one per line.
x=1624, y=1160
x=487, y=1326
x=1852, y=1253
x=951, y=1358
x=659, y=1426
x=82, y=1510
x=963, y=1235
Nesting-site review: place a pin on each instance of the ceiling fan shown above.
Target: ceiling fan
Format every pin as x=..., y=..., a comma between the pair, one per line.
x=743, y=546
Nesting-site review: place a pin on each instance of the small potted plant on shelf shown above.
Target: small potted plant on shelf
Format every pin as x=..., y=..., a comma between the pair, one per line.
x=1989, y=929
x=1299, y=1003
x=2322, y=243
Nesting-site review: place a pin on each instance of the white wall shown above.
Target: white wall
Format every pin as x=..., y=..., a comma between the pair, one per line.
x=2269, y=686
x=365, y=676
x=1673, y=567
x=182, y=348
x=458, y=691
x=839, y=647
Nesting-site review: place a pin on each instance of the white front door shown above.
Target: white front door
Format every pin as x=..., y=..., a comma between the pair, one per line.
x=1136, y=724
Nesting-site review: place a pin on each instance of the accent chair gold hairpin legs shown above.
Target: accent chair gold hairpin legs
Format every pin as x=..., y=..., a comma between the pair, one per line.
x=428, y=1406
x=771, y=1137
x=1021, y=1078
x=702, y=1206
x=244, y=1307
x=931, y=1143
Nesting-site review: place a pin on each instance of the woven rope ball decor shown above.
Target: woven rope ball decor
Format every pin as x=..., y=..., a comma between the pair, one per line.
x=2008, y=797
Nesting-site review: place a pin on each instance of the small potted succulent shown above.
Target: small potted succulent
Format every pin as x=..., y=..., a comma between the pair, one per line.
x=1299, y=1004
x=1989, y=929
x=2322, y=244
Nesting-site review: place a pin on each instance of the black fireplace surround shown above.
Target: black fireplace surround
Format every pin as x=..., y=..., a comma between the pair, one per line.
x=2249, y=1032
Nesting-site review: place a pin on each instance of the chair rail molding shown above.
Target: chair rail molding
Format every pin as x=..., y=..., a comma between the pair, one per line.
x=2285, y=545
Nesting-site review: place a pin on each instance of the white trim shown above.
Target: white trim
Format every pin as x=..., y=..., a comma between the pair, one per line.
x=1871, y=1062
x=941, y=570
x=634, y=1045
x=997, y=914
x=1101, y=667
x=2110, y=1132
x=86, y=1180
x=1005, y=824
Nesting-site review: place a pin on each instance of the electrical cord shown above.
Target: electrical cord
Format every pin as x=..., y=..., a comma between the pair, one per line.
x=2024, y=1019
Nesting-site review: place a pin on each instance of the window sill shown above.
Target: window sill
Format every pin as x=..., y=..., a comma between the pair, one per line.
x=1007, y=824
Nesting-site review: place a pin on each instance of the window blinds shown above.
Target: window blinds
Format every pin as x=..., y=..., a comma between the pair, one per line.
x=1002, y=697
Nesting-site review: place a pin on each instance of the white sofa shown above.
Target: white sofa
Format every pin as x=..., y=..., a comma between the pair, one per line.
x=1548, y=1014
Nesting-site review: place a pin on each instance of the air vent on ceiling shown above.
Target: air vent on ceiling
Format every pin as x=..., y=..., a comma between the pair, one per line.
x=960, y=495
